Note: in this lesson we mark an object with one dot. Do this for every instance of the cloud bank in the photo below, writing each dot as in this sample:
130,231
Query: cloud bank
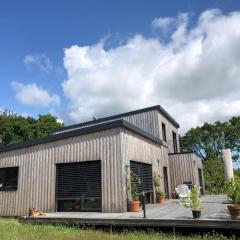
32,95
195,75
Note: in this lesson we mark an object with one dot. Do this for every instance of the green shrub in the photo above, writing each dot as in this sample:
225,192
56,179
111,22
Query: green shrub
195,203
156,180
233,190
237,199
135,183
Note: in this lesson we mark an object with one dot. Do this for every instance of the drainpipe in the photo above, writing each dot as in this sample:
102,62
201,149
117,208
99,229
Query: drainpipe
228,167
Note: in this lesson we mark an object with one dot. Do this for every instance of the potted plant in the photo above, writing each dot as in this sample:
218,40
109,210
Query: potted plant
233,191
194,203
134,203
160,196
132,184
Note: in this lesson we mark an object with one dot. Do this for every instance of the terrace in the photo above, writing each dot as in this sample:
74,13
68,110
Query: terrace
170,214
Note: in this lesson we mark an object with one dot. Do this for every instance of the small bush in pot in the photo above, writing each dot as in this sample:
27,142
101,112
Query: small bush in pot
160,195
195,203
134,203
233,191
133,184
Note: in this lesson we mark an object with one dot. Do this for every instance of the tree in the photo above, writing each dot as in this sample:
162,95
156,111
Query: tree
208,141
15,128
214,176
45,124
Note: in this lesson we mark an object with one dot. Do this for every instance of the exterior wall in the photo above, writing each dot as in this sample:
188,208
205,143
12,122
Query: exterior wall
184,167
147,121
169,129
151,122
137,148
37,170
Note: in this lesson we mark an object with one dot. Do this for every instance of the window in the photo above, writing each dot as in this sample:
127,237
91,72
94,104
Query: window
8,178
175,148
164,132
78,186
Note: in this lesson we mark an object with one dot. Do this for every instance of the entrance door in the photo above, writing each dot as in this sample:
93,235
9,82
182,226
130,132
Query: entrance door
165,179
144,172
78,186
200,181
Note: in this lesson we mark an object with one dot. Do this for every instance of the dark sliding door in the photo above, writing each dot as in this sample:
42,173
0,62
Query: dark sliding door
144,173
78,186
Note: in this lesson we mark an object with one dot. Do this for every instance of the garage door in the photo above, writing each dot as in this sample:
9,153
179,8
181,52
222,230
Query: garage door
78,186
144,173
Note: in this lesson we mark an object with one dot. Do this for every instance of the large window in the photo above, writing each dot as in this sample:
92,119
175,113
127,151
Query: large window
164,136
78,186
8,178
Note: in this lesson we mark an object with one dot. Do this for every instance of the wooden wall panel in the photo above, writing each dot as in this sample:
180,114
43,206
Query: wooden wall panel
147,121
36,184
139,149
169,129
150,122
184,167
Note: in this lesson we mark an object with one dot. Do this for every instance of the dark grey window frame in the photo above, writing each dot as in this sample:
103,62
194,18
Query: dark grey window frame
174,139
6,184
164,133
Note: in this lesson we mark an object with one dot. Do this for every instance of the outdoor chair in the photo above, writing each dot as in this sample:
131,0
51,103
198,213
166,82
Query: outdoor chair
183,192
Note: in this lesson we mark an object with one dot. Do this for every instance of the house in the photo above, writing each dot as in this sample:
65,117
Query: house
83,167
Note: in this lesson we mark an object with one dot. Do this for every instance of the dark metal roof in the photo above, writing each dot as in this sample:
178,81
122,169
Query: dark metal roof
82,131
157,107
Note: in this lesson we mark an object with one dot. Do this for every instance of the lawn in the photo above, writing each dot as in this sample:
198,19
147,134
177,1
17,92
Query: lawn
11,229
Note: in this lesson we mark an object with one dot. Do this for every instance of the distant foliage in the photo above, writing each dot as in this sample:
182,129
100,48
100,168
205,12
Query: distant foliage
208,141
15,128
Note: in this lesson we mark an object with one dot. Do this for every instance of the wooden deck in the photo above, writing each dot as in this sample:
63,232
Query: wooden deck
169,215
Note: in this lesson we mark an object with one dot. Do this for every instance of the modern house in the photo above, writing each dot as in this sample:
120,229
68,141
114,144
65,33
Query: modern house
83,167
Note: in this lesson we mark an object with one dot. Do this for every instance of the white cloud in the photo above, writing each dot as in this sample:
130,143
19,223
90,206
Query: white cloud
162,23
40,61
32,95
195,75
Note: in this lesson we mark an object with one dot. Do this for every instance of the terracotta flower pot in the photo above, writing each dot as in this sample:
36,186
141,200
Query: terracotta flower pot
134,206
234,211
160,199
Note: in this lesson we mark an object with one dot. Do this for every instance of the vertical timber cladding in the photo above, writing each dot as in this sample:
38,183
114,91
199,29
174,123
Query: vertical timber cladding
144,173
78,186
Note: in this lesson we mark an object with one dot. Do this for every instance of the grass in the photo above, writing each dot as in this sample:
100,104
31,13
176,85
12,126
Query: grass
11,229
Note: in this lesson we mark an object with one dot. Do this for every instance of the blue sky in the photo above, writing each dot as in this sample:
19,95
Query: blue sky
38,36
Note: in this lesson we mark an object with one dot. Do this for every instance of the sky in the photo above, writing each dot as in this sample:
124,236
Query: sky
83,59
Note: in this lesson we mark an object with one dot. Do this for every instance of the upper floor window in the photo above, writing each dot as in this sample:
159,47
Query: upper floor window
175,148
8,178
164,136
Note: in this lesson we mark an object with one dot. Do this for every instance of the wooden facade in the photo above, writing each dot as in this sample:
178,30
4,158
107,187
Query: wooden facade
115,146
185,167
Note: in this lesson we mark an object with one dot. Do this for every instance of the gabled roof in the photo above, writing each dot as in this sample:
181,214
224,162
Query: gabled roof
82,131
93,122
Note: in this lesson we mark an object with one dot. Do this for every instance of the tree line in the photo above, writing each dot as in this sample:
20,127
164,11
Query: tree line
16,128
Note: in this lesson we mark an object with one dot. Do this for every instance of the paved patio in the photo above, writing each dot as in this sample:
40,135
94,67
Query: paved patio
213,209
